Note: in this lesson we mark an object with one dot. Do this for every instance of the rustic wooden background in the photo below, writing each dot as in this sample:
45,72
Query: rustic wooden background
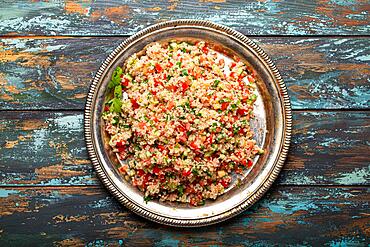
49,52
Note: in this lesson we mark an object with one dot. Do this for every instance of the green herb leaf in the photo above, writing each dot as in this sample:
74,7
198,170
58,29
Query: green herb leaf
215,84
184,72
202,203
236,130
118,92
147,199
253,97
180,189
209,173
117,73
116,105
116,78
195,171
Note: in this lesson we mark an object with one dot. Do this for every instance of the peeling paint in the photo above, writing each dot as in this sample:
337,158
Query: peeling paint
7,192
127,17
358,176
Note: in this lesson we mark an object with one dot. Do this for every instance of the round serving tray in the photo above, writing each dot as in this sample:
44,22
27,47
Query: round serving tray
272,126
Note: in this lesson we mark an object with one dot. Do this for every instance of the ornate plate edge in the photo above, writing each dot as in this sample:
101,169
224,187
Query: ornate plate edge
212,219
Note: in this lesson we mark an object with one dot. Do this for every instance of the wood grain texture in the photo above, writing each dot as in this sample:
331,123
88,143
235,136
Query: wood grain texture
46,148
330,73
88,216
287,17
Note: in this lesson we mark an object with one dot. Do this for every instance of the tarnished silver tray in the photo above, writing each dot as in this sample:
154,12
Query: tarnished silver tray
272,127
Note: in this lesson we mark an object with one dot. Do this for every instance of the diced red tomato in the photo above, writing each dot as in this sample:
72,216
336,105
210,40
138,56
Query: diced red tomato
205,49
161,147
145,180
184,86
122,169
186,173
142,125
173,88
194,146
250,163
162,178
187,126
232,65
164,77
183,138
241,76
156,170
125,82
170,64
153,92
210,138
247,163
119,144
158,68
224,183
106,108
134,103
181,128
170,105
121,149
157,82
250,78
242,112
232,74
224,105
140,172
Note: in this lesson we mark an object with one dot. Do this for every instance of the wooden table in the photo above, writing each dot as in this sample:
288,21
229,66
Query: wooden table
49,52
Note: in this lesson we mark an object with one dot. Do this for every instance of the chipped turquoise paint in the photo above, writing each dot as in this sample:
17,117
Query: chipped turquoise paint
96,243
246,221
261,18
344,242
102,203
7,192
363,58
344,2
291,207
358,176
168,242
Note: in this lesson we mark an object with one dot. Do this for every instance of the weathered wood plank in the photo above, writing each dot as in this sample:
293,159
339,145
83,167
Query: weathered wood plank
88,216
320,73
47,148
115,17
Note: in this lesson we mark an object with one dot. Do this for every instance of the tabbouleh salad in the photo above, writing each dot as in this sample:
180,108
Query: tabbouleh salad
179,115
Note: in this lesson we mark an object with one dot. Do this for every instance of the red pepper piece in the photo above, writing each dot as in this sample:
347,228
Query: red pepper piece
158,68
134,103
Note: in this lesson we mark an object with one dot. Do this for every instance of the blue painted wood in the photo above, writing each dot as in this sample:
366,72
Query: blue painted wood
78,216
330,73
46,179
48,149
85,18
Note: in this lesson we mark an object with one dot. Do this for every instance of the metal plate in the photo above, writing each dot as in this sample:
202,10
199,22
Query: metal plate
272,126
